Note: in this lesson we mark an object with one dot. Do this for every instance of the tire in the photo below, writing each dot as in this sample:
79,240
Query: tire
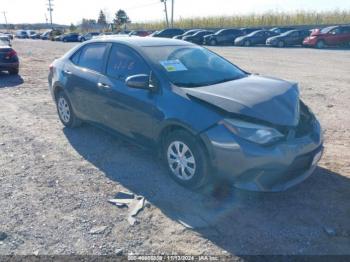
247,43
213,42
280,44
65,111
320,44
65,40
14,71
190,170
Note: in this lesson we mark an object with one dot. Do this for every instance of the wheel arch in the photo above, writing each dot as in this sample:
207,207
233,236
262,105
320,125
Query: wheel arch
173,126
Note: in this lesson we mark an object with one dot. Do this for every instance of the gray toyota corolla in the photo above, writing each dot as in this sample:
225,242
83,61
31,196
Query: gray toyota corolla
209,119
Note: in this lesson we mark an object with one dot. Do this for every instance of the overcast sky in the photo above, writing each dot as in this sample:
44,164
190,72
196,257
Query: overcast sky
72,11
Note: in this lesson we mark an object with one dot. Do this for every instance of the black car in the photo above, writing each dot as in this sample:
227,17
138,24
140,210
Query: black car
71,37
255,38
168,33
8,59
281,30
222,37
290,38
187,33
198,37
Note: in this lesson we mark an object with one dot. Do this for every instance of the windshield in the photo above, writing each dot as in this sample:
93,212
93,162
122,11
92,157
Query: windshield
326,30
192,66
288,33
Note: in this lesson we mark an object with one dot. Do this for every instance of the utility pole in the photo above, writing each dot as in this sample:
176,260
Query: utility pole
172,13
166,12
47,20
50,9
5,20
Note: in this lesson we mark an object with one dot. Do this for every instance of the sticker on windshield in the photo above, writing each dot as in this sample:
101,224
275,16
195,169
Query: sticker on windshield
173,65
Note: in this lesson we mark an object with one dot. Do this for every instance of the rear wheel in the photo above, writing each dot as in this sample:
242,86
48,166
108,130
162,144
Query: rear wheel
320,44
186,159
65,111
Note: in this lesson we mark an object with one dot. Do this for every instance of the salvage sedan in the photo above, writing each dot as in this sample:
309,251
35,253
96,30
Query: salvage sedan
209,119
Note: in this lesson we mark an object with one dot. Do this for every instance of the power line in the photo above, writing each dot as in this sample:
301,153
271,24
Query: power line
50,9
172,13
4,12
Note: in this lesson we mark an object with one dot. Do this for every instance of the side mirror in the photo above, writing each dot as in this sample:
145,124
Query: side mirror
143,81
138,81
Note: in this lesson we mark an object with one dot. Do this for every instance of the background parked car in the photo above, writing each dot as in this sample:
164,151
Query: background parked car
139,33
32,34
222,37
187,33
198,37
71,37
51,34
290,38
87,36
329,36
10,35
5,39
168,33
8,59
22,34
281,30
255,38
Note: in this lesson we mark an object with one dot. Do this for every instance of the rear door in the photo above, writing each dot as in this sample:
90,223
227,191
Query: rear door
81,77
127,110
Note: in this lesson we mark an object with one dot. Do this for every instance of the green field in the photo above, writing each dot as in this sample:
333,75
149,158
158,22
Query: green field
266,19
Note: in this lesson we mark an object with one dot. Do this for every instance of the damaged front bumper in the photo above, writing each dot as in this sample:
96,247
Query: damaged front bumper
270,168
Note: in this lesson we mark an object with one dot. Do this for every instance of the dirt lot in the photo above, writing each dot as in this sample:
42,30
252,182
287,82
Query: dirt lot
55,182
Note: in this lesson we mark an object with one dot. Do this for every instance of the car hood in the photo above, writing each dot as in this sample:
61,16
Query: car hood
267,99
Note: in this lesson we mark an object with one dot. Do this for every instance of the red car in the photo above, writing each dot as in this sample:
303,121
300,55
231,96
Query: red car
329,36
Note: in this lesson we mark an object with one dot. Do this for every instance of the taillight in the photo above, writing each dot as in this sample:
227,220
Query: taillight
10,54
51,68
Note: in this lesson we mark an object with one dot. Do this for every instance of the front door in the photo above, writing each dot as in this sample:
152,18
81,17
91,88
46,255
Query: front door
127,110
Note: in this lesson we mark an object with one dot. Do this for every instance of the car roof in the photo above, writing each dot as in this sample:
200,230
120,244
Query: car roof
142,41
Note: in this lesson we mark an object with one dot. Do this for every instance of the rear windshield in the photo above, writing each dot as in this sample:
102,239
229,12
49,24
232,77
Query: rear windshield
192,66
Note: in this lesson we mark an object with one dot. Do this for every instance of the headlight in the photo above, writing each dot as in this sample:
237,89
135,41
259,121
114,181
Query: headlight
252,132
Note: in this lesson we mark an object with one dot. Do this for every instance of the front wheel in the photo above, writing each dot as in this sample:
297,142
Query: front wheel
213,42
281,44
65,111
247,43
320,44
186,159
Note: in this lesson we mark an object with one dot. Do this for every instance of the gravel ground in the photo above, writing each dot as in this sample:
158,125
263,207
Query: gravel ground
55,182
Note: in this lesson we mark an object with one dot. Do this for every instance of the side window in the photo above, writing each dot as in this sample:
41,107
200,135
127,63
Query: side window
75,57
346,30
124,62
92,56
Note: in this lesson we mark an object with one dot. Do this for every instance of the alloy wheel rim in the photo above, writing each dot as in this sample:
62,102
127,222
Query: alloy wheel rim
63,109
181,160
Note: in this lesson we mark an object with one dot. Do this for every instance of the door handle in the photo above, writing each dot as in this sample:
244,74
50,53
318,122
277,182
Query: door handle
103,85
67,72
